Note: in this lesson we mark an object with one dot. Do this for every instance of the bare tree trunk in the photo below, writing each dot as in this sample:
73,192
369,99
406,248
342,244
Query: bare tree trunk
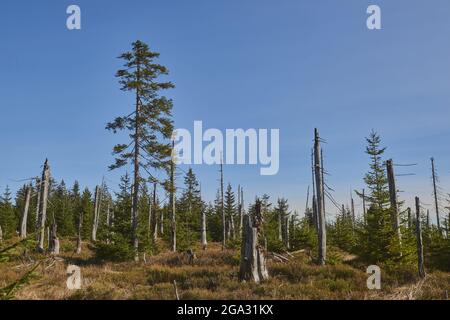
280,226
108,223
154,215
286,232
1,234
23,226
409,217
353,210
54,241
38,201
253,262
364,205
45,181
393,199
436,204
241,211
203,239
80,225
320,210
419,240
172,202
96,213
222,208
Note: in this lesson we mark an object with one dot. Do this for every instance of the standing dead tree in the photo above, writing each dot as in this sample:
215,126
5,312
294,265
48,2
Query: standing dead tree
23,225
436,202
153,216
80,226
393,199
42,217
97,200
222,205
322,235
172,200
253,261
203,240
419,240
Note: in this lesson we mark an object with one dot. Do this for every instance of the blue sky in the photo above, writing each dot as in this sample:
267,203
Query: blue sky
292,65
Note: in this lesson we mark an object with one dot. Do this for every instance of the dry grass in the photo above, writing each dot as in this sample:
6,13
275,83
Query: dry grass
214,275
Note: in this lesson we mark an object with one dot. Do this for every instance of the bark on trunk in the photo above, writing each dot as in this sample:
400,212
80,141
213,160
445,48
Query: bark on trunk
253,262
203,240
23,226
96,213
80,225
172,202
319,202
43,206
419,240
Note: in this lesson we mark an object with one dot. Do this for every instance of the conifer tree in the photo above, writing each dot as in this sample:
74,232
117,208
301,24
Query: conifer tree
149,125
8,218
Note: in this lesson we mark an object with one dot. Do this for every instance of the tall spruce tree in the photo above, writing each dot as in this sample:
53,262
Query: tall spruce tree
8,218
149,125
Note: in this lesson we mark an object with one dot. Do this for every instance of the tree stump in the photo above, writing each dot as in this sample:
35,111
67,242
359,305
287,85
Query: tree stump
253,261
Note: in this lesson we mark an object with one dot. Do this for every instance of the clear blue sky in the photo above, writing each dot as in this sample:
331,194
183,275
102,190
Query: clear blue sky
293,65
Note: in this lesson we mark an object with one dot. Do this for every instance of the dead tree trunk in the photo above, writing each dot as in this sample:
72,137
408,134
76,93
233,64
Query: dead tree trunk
172,202
436,203
203,239
222,207
408,210
286,232
96,213
80,226
322,236
241,210
253,262
280,226
154,215
54,241
353,210
364,204
45,181
419,240
38,201
393,200
23,225
1,234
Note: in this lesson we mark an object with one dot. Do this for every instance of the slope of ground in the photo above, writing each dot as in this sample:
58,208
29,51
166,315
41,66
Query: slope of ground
214,275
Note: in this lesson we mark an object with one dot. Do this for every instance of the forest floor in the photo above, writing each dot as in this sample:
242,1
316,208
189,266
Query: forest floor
214,275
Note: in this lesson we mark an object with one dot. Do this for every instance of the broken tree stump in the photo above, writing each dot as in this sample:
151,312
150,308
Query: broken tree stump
253,261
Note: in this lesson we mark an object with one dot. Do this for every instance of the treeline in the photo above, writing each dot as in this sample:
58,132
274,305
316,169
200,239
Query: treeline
148,214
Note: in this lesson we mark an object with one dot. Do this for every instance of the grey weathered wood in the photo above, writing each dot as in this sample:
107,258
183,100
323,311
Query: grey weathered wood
364,204
23,225
253,261
319,192
222,207
286,232
54,241
38,201
353,210
393,199
173,203
203,240
96,213
80,225
154,215
421,267
436,203
45,181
